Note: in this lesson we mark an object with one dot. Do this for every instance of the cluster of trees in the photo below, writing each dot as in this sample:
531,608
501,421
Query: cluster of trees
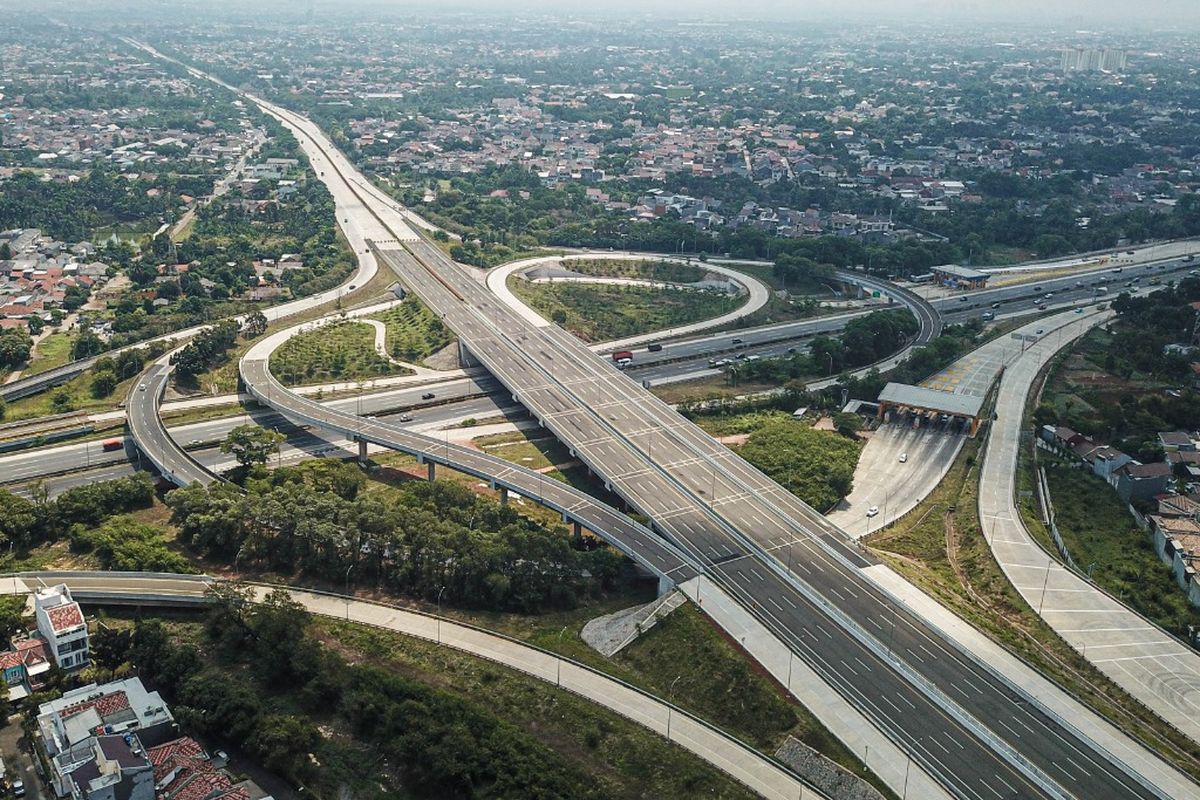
272,676
207,350
429,537
109,371
1128,418
73,211
25,522
863,341
15,345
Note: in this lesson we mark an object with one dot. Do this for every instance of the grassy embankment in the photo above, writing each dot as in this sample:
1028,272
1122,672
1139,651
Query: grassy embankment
598,313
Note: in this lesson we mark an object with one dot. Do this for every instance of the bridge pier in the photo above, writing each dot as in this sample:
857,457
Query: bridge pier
577,531
503,496
430,471
362,451
465,359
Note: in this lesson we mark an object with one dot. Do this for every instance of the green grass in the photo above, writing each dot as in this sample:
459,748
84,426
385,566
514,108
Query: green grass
733,424
627,760
413,331
78,392
599,313
51,352
339,351
667,271
1096,528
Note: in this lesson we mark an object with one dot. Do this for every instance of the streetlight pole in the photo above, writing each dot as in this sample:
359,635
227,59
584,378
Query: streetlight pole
439,614
1045,583
348,591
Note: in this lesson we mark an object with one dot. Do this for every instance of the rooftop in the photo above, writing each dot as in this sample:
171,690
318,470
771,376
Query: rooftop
903,394
966,273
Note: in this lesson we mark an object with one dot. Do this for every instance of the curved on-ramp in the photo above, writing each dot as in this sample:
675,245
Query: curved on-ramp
762,774
757,294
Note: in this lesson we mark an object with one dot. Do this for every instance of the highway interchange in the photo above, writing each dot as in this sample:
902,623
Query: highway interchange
711,512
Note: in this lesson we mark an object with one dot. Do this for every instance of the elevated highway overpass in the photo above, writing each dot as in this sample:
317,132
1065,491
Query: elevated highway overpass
958,719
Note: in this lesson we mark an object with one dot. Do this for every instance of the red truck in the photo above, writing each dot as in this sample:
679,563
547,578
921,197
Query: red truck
113,444
622,358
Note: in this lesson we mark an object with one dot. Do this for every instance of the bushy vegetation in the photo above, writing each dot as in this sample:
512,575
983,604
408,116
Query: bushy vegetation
413,331
124,544
427,537
1121,386
598,313
816,466
339,351
668,271
15,345
208,349
259,676
25,523
863,341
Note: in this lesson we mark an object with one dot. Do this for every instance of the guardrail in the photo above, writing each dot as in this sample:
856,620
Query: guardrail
546,661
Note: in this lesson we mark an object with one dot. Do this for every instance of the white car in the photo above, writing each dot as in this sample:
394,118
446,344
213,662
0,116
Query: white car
872,511
903,457
142,388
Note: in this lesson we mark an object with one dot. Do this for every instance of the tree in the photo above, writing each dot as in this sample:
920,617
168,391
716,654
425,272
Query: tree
86,344
255,325
104,383
847,424
251,444
15,345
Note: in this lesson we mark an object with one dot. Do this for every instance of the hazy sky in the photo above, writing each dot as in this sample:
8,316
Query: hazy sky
923,10
1058,14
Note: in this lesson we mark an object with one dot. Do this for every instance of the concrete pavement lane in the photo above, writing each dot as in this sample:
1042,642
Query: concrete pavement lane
1154,667
597,414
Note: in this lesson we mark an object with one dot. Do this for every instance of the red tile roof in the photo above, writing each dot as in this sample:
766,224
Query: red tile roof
10,659
201,786
65,617
105,706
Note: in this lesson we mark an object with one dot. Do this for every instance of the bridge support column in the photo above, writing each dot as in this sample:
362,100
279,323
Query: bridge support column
664,585
577,531
430,471
362,451
503,496
465,359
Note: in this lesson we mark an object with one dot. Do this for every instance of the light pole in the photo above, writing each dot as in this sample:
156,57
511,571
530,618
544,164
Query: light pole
439,614
1045,583
830,362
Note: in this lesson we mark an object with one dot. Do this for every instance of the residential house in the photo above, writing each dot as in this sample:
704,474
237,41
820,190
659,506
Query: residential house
60,622
106,727
1136,481
24,666
1176,441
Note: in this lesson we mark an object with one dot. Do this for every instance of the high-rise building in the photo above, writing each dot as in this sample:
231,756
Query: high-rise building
1092,59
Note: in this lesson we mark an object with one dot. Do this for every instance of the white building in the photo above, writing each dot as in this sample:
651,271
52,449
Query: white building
60,622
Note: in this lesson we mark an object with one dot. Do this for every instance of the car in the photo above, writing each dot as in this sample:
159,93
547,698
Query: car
654,348
142,387
352,287
995,305
406,417
1038,332
18,788
963,299
1079,311
736,341
988,315
195,443
903,457
427,396
1049,295
1041,306
791,350
872,511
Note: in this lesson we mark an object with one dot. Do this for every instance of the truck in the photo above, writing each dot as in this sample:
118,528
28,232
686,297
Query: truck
113,444
622,358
